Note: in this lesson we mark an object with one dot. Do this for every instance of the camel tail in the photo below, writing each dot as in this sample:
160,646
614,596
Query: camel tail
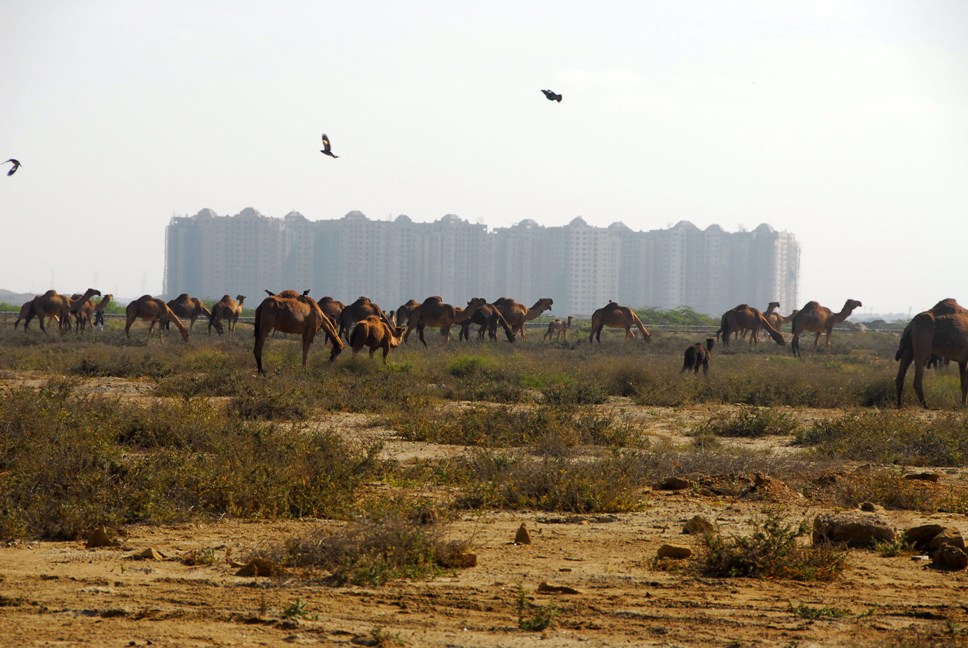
905,343
258,321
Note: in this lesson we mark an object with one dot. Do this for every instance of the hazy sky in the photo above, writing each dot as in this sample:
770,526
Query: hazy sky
843,122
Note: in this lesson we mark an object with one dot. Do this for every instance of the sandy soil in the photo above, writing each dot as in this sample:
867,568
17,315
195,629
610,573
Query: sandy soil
61,593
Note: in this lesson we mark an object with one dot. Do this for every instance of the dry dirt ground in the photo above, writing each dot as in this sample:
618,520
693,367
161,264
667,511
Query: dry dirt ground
61,593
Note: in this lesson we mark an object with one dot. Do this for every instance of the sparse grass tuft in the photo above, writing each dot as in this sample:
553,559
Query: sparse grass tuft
750,422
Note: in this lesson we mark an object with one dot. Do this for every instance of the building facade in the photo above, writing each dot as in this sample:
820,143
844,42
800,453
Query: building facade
579,266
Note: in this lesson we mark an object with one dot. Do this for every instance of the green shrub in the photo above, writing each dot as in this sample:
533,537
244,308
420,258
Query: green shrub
772,551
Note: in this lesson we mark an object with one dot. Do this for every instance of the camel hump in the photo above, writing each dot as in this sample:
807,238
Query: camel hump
741,307
948,307
288,293
811,305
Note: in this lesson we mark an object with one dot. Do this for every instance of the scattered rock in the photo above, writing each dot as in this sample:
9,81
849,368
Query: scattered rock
675,552
949,557
547,588
698,525
674,484
947,537
148,554
920,536
924,476
854,529
100,538
260,567
522,536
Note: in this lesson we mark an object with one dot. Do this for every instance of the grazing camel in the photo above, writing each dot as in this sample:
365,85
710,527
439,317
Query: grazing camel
402,314
187,307
375,333
488,317
746,318
518,315
941,331
614,316
291,312
558,329
25,310
153,310
52,305
697,356
820,320
99,311
227,309
357,311
435,313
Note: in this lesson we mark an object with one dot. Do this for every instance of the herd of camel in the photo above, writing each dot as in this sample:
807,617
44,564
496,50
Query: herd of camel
940,332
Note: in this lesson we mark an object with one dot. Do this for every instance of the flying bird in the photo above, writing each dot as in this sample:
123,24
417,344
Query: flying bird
327,150
552,95
13,169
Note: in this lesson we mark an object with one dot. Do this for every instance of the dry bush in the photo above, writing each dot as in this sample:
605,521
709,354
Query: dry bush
571,484
892,437
69,463
374,550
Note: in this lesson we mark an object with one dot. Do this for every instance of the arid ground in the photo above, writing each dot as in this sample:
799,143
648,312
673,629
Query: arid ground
584,579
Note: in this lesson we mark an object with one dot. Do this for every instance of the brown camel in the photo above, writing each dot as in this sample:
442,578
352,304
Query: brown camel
488,317
402,314
820,320
227,309
375,333
940,331
433,312
614,316
291,312
777,321
153,310
83,312
558,329
330,307
357,311
746,318
54,305
697,356
25,310
187,307
99,310
518,315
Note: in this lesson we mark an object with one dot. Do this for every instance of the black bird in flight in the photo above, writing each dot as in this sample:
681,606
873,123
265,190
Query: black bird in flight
327,150
552,95
13,169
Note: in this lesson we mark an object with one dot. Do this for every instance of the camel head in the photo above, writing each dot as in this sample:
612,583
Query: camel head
711,342
240,299
773,304
851,304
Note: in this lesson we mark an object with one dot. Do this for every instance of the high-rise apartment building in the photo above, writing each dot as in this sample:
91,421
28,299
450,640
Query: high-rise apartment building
579,266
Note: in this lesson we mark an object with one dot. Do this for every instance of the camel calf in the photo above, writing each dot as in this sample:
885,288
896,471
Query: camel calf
697,356
375,333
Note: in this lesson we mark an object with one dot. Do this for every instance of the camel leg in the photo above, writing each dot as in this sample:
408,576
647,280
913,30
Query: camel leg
260,341
306,341
816,341
905,362
918,382
386,351
420,331
963,371
795,345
